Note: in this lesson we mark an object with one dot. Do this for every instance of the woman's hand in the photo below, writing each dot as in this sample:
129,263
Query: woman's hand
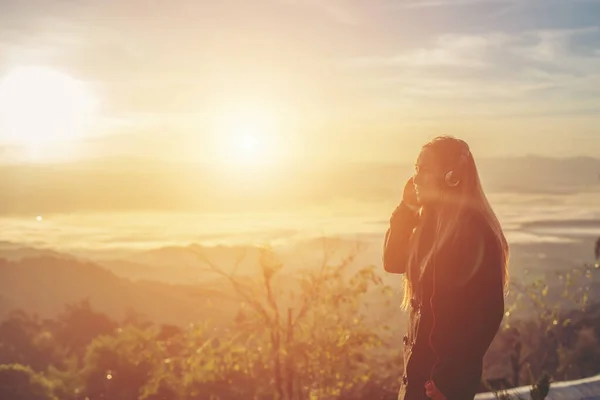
409,195
409,199
433,392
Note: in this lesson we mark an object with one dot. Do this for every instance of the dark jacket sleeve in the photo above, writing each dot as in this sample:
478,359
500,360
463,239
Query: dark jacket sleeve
469,306
396,248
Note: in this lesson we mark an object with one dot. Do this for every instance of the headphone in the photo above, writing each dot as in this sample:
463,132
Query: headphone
453,177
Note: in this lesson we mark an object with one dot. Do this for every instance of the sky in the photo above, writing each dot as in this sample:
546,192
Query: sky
322,80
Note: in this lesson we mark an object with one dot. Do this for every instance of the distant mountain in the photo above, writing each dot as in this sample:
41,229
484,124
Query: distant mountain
15,251
45,285
158,288
157,186
185,264
533,174
563,223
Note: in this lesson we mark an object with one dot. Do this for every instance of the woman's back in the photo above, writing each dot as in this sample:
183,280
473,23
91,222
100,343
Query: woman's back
457,307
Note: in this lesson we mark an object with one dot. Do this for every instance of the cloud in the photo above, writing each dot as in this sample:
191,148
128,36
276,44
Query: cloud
485,50
530,74
347,12
330,60
340,12
565,47
404,4
557,52
515,4
454,51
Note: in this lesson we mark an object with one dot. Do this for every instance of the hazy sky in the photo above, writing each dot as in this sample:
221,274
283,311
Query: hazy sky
332,79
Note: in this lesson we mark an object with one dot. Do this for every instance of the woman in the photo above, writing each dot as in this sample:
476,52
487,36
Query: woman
447,242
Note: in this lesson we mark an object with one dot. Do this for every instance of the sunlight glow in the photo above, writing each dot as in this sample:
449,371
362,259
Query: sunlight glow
39,106
248,137
249,145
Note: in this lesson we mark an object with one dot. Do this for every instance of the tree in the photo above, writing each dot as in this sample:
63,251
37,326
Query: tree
19,382
79,324
119,367
583,359
309,330
26,340
537,344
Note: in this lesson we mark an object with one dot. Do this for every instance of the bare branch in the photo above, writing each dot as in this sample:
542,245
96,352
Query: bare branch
239,261
240,288
267,276
317,282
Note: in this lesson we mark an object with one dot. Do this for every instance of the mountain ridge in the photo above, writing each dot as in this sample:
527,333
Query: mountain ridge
36,190
45,285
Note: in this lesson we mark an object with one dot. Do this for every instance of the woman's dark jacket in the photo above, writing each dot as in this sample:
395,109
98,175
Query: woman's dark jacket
468,305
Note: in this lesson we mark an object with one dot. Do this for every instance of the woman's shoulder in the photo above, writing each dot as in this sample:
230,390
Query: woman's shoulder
474,227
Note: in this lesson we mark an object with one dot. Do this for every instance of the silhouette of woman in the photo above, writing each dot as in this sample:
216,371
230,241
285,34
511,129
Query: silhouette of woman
447,242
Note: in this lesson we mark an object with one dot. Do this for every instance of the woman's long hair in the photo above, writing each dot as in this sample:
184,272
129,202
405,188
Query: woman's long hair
454,155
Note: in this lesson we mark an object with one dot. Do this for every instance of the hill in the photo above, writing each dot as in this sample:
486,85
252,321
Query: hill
46,284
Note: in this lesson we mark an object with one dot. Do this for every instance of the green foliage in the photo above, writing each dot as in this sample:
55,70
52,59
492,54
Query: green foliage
26,340
548,341
314,341
311,334
18,382
79,324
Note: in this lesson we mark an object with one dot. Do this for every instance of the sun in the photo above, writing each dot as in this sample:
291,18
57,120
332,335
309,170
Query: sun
249,145
247,138
40,105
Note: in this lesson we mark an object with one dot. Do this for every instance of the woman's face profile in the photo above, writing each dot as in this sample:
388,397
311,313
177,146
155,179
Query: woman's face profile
428,178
